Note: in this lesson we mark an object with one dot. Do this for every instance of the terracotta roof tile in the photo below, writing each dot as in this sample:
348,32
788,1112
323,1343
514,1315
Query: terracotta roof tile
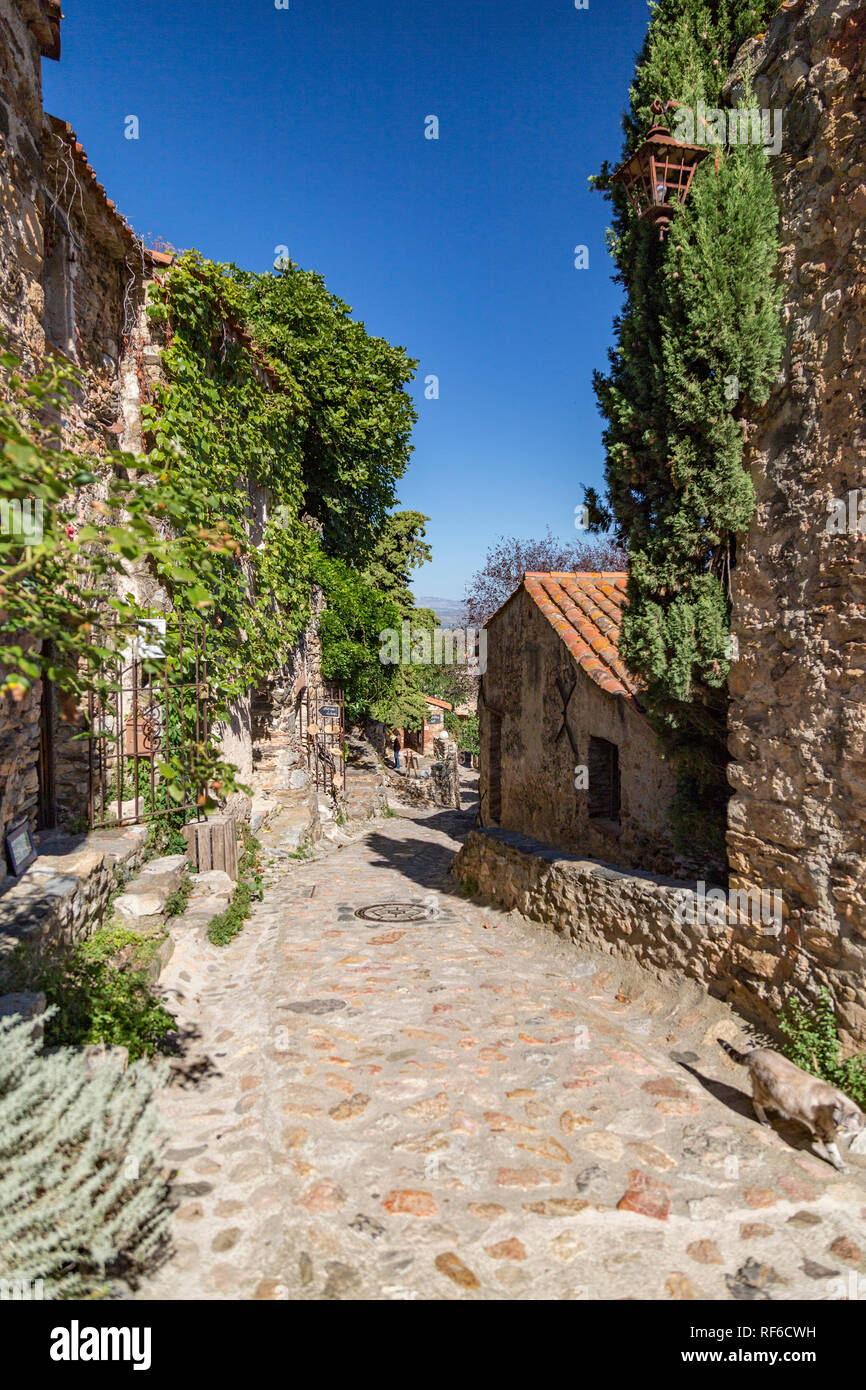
586,609
64,133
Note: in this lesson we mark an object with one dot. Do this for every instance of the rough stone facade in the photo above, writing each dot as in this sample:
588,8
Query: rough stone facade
71,285
64,894
797,818
528,782
74,282
645,917
278,724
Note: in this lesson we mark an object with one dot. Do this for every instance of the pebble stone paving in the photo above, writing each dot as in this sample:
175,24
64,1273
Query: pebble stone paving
468,1107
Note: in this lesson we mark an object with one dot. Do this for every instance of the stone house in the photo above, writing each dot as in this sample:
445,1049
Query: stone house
74,281
567,755
421,740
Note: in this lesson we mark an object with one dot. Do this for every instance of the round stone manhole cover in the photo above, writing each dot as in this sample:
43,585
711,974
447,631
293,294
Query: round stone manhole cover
393,912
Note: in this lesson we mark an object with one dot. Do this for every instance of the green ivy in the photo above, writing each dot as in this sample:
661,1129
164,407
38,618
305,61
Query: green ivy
230,423
325,432
57,583
812,1042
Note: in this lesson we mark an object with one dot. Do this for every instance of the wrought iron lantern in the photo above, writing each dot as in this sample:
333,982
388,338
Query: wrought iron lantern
659,174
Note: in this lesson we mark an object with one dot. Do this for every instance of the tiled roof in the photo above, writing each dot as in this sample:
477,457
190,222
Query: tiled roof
441,704
586,609
66,136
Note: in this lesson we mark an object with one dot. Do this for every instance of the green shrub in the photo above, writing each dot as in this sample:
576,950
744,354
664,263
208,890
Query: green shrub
99,991
226,926
469,887
812,1042
81,1193
176,904
164,835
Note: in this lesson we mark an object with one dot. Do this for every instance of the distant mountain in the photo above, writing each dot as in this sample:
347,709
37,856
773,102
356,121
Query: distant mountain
449,611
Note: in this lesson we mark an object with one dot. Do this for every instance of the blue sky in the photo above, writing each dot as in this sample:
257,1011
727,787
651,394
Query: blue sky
305,127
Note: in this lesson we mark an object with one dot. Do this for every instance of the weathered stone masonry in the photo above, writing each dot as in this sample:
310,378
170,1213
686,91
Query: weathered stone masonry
595,904
74,280
797,819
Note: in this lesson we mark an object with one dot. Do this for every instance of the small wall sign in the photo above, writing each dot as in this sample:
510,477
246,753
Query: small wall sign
20,847
151,639
329,712
434,718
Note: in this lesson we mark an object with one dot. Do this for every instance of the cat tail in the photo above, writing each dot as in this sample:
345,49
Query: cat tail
741,1058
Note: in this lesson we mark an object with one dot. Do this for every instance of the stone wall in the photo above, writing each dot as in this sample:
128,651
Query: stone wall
797,818
279,741
64,894
519,694
19,752
647,918
22,199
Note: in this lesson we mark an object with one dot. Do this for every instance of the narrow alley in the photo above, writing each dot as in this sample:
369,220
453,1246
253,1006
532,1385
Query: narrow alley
464,1106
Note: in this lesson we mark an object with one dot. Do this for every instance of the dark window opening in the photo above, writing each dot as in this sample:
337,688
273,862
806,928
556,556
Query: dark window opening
494,769
58,318
603,769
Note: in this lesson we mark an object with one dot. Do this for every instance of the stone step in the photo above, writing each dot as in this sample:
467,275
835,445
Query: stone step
143,900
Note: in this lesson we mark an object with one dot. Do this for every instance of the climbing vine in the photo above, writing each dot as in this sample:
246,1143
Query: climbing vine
229,423
296,436
696,348
60,576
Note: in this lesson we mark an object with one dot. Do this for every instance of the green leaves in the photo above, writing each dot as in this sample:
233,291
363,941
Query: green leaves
356,420
697,346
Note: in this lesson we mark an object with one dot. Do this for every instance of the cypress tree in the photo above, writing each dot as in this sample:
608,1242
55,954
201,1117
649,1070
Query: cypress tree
696,348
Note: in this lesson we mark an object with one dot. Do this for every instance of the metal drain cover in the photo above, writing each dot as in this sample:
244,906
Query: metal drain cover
393,912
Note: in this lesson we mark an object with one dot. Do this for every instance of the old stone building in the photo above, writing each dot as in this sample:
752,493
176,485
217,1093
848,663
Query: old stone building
797,820
71,284
74,284
421,740
568,757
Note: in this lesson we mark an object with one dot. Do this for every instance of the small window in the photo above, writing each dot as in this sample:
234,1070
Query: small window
494,768
58,315
603,768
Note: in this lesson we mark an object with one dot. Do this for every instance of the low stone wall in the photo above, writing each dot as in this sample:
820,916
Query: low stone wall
64,894
666,925
19,752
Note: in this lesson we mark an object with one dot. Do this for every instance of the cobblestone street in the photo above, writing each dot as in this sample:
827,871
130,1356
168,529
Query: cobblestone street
468,1107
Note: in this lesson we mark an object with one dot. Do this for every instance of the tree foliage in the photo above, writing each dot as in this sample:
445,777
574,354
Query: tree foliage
398,550
327,442
356,425
509,559
696,348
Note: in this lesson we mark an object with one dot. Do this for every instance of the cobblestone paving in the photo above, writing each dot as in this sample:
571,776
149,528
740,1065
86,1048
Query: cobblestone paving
468,1107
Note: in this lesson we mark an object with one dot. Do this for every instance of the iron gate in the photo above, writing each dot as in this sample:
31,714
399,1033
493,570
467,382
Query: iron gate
323,732
155,709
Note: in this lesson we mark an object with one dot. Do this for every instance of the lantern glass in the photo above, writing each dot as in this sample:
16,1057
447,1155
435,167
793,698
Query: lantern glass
657,177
